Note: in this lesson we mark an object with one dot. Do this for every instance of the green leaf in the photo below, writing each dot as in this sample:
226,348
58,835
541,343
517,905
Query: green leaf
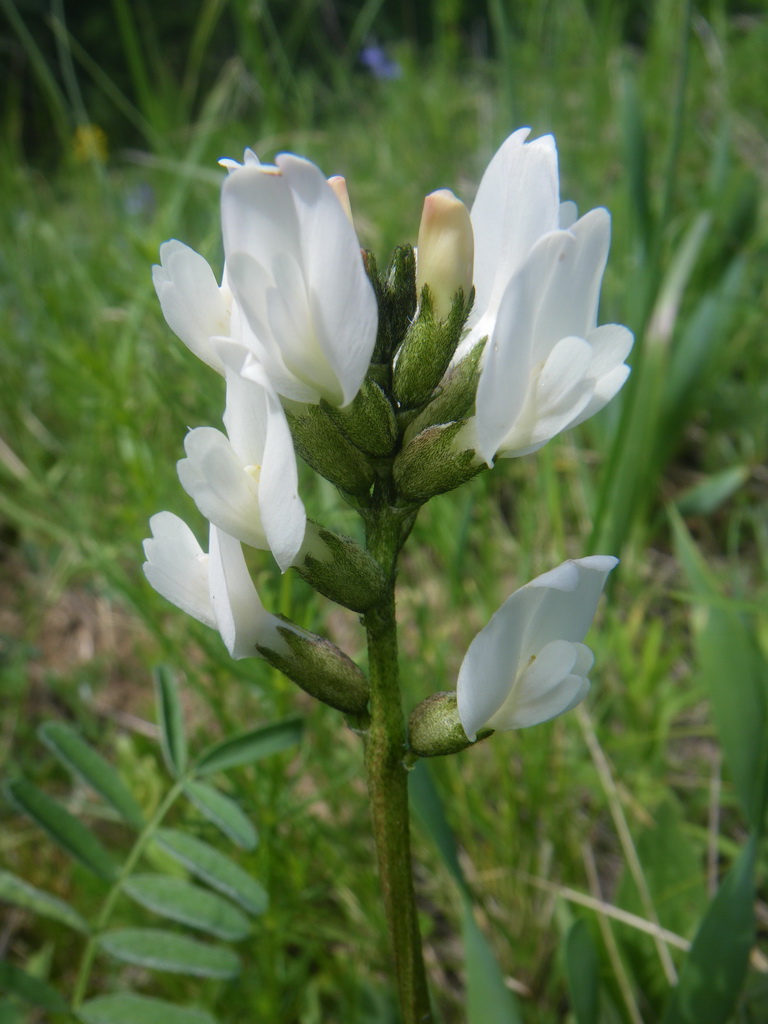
489,1001
428,806
735,673
168,951
171,719
61,826
213,867
32,990
82,759
21,894
250,746
717,963
582,966
126,1008
189,904
224,813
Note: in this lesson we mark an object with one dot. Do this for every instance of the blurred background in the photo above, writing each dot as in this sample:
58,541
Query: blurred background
113,117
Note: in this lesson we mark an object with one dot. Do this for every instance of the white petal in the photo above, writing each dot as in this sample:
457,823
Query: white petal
611,345
568,215
282,511
249,158
258,215
490,665
216,479
507,680
177,567
547,687
342,301
258,299
569,596
507,380
240,616
260,436
516,203
563,389
193,305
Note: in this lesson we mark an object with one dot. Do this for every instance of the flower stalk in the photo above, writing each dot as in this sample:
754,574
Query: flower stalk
386,772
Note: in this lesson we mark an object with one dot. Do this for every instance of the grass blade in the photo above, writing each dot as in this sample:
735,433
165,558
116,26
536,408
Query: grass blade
582,966
65,830
716,966
489,1001
80,758
735,673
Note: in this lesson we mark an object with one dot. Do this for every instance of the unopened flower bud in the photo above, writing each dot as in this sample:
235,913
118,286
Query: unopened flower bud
436,460
318,667
339,568
445,254
435,728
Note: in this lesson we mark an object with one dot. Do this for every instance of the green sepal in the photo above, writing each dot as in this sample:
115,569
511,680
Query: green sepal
455,397
321,669
396,295
427,350
349,575
368,421
328,450
431,464
434,727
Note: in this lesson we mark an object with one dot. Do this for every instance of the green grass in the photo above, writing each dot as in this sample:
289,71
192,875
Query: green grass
97,395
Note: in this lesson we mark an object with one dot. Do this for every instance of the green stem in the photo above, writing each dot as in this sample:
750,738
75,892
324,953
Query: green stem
388,777
89,953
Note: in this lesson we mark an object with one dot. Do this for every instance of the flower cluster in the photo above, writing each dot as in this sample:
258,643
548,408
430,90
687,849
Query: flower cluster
480,344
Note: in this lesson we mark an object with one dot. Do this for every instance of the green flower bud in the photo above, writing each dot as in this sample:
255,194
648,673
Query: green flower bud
327,450
427,350
436,460
340,569
434,727
455,397
368,421
397,298
320,668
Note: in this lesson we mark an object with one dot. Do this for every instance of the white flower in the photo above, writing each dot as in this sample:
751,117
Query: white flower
194,306
214,588
295,269
247,483
546,366
528,664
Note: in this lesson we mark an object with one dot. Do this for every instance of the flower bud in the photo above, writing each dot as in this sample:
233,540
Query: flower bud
427,350
320,668
337,567
445,254
436,460
368,421
434,727
327,450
